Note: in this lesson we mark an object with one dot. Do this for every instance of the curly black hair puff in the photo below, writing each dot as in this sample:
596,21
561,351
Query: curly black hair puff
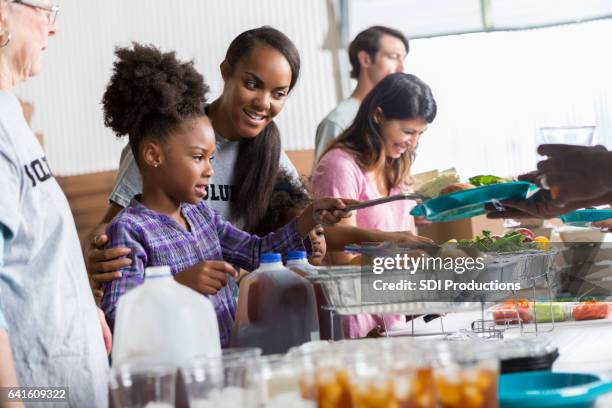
151,93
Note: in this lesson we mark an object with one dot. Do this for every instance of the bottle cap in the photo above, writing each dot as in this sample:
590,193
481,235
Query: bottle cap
270,257
157,272
296,255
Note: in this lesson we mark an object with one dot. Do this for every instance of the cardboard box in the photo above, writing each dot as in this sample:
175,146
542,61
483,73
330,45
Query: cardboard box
302,160
467,228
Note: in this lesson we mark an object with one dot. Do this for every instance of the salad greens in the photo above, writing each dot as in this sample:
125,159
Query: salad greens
510,242
485,180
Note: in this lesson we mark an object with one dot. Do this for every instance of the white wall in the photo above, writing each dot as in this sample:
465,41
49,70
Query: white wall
78,63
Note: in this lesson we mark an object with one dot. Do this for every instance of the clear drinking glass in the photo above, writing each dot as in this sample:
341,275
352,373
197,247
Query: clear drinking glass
574,135
143,386
285,381
392,373
219,383
241,353
467,375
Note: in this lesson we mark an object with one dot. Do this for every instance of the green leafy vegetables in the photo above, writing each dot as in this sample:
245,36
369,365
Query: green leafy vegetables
510,242
485,180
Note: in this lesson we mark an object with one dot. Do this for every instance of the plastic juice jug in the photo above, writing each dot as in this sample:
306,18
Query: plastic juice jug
164,322
298,263
276,309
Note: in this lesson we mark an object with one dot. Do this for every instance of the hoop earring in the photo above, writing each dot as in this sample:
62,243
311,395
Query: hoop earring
8,40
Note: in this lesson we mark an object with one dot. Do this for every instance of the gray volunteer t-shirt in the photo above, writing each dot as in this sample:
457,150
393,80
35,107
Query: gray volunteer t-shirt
129,180
51,318
335,123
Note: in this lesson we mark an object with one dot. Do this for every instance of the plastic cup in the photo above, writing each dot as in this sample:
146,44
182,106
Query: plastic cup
574,135
241,353
467,375
219,383
143,386
283,381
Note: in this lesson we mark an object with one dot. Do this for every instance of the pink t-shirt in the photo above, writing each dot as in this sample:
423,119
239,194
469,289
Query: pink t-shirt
338,175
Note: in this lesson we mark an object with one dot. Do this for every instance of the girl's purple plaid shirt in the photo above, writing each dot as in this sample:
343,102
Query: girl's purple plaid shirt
155,239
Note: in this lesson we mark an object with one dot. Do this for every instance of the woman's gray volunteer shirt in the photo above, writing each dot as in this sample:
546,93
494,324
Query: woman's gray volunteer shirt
51,318
220,190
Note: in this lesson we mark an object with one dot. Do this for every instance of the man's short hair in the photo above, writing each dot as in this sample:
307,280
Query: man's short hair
369,40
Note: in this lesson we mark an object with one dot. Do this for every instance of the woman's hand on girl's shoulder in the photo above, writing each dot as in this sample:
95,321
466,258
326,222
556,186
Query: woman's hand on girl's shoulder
103,265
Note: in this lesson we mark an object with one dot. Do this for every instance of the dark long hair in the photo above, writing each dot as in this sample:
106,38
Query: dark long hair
257,162
400,97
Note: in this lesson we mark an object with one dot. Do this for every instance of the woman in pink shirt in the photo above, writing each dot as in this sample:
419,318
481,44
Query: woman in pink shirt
372,159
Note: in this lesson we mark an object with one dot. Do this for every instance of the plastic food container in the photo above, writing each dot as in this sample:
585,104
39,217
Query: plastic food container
526,354
547,312
512,312
520,354
470,203
591,310
581,217
343,286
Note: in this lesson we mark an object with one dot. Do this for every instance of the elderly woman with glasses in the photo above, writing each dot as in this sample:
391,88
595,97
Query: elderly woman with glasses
50,331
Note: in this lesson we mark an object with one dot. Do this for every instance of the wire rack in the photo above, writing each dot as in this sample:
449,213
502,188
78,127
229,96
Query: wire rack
342,287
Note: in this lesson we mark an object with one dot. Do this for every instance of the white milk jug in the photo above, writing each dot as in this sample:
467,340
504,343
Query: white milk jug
164,322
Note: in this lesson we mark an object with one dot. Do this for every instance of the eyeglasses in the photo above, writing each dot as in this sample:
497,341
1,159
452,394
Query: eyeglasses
49,10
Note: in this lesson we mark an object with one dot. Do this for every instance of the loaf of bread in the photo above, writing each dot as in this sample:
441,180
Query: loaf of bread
455,187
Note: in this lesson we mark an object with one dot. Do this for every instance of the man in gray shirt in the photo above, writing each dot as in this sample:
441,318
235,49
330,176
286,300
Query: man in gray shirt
374,53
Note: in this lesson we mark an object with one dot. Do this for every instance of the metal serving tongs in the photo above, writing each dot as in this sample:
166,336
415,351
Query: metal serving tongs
383,200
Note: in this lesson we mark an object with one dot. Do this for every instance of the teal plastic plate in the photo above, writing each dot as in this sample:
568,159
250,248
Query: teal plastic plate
470,203
582,217
545,389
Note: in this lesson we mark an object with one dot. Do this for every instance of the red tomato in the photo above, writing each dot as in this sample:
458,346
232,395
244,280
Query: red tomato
527,233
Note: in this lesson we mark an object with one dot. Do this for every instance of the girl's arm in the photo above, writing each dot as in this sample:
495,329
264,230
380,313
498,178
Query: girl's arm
244,249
